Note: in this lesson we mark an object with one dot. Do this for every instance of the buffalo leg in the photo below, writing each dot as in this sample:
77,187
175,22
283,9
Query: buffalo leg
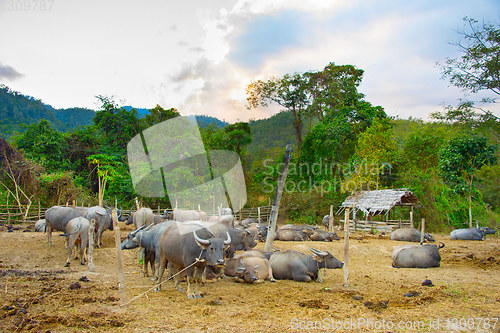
49,234
174,270
163,261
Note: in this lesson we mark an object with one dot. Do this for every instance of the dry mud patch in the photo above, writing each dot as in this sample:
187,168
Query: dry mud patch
38,294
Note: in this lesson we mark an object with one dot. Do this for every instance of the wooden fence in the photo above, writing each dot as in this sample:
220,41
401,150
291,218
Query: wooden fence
10,214
386,226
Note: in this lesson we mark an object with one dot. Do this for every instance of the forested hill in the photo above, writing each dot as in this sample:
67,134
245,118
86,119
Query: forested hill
17,110
276,131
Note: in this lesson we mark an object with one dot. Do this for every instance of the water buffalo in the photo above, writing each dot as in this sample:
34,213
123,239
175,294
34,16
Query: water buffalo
78,232
184,215
57,218
149,239
410,235
471,233
293,265
249,270
190,246
323,236
240,239
224,219
291,235
254,254
326,221
144,216
103,221
416,256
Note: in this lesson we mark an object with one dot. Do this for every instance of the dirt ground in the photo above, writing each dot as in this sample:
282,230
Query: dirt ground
38,294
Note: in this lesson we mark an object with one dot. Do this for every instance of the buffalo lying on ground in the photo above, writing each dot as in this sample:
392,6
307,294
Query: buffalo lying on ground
78,232
410,235
193,247
416,256
293,265
249,269
323,236
471,233
57,218
184,215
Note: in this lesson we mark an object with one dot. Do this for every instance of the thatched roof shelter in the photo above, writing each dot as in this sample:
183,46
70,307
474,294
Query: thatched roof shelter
379,201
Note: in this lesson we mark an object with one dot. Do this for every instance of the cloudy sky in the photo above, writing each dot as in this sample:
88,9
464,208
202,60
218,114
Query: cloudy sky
199,55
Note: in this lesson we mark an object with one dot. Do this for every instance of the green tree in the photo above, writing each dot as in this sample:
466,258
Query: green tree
43,144
238,136
479,67
332,89
288,91
158,114
461,158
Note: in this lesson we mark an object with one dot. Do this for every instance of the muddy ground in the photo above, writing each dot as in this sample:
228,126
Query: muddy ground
36,292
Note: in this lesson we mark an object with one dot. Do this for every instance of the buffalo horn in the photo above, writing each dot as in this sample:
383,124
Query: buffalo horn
137,230
228,241
199,240
318,252
441,246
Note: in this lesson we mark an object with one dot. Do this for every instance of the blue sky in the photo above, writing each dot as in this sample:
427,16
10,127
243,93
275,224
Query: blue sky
198,55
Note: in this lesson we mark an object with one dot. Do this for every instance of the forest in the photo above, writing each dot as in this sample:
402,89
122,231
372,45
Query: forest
342,144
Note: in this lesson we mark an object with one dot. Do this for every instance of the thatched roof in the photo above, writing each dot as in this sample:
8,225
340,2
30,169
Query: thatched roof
377,202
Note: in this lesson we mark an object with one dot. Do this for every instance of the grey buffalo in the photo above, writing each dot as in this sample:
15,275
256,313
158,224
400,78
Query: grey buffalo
410,235
144,216
57,218
249,270
240,239
184,215
103,221
148,239
416,256
78,232
323,236
471,233
291,235
293,265
193,247
254,254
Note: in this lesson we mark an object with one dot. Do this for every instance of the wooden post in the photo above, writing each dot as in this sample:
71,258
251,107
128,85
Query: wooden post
8,210
346,248
258,214
39,209
121,278
330,223
422,231
411,217
91,245
277,198
137,206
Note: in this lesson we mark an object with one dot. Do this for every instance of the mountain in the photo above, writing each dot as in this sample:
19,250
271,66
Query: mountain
141,111
204,121
17,110
276,131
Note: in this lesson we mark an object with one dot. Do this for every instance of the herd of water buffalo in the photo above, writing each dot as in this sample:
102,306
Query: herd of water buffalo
190,244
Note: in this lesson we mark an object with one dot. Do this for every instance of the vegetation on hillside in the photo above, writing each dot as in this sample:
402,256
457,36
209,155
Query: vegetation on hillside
342,142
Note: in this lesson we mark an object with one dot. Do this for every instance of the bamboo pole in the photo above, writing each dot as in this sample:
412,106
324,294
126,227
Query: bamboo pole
346,248
422,231
91,245
8,210
119,260
330,221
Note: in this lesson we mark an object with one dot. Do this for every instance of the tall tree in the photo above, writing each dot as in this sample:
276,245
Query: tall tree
158,114
288,91
332,89
461,158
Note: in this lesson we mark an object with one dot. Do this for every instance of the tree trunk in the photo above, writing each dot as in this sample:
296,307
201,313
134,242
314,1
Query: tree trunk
298,129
